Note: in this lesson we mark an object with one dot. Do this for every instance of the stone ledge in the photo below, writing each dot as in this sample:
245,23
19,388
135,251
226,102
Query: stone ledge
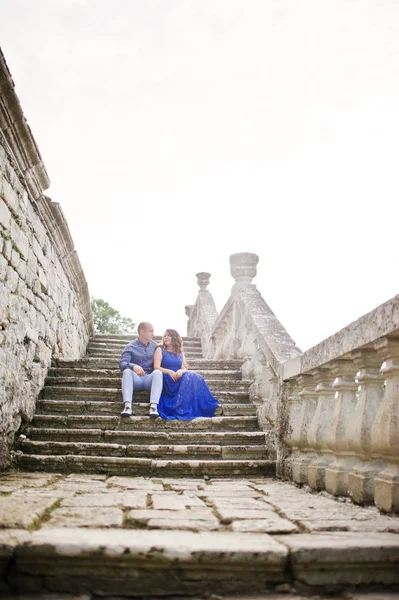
19,136
343,558
126,562
379,322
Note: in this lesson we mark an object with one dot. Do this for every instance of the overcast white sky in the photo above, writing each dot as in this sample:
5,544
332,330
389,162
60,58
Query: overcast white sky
177,132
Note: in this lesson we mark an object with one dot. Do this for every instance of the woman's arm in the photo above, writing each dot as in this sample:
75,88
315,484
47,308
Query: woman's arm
157,364
184,367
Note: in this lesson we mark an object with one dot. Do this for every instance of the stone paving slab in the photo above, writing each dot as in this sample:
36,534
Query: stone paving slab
25,512
84,516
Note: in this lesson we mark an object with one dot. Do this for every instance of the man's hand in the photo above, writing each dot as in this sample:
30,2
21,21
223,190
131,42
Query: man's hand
138,370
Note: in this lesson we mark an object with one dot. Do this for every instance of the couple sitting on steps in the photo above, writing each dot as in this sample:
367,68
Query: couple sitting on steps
175,392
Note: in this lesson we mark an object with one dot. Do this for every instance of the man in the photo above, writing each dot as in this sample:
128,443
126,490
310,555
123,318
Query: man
136,363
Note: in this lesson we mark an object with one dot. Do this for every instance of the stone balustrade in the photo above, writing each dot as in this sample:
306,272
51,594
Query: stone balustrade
248,330
332,411
44,300
348,444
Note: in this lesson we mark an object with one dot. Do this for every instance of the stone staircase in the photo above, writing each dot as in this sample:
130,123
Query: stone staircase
77,425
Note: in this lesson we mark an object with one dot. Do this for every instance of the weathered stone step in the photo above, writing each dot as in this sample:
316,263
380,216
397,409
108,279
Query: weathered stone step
220,438
116,356
145,423
114,408
117,350
119,345
162,451
60,372
153,563
106,363
126,338
113,350
145,466
105,353
115,383
86,393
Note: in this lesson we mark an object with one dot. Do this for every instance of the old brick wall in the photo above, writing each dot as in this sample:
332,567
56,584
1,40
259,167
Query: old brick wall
44,300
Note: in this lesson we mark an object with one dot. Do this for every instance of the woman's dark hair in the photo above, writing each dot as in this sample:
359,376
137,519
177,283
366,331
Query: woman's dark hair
176,340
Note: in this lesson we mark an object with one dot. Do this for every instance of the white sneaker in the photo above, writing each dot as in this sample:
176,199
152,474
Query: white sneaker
127,411
154,414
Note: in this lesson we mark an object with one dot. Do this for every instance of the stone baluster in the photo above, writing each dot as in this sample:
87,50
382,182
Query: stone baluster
247,346
336,474
317,429
220,342
304,453
189,310
292,431
370,392
385,431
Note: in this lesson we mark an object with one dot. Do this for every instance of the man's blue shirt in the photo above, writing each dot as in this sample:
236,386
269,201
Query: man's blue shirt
137,353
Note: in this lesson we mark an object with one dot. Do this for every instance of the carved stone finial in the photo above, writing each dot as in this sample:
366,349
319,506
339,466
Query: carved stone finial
243,267
189,309
203,281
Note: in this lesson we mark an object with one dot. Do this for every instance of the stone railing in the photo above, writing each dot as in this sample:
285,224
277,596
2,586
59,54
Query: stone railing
248,330
44,300
332,411
341,420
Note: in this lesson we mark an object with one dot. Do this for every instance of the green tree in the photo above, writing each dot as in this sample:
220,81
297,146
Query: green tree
108,319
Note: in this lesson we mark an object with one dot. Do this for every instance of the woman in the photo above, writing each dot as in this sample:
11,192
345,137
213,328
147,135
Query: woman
185,394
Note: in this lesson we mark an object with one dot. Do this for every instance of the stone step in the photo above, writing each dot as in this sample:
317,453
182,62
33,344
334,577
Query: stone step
147,438
120,345
118,348
114,562
114,408
110,337
162,451
60,372
216,385
85,393
105,363
116,465
116,355
145,423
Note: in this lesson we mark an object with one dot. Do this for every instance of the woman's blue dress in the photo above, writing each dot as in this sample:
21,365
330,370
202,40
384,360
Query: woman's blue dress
188,397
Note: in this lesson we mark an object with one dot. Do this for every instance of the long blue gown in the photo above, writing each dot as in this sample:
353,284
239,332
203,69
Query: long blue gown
188,397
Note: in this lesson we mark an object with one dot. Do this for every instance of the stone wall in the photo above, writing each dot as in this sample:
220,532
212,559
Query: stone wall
44,300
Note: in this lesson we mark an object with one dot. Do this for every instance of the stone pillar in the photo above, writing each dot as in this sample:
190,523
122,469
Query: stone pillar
305,454
189,310
336,478
385,431
370,392
317,429
243,267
